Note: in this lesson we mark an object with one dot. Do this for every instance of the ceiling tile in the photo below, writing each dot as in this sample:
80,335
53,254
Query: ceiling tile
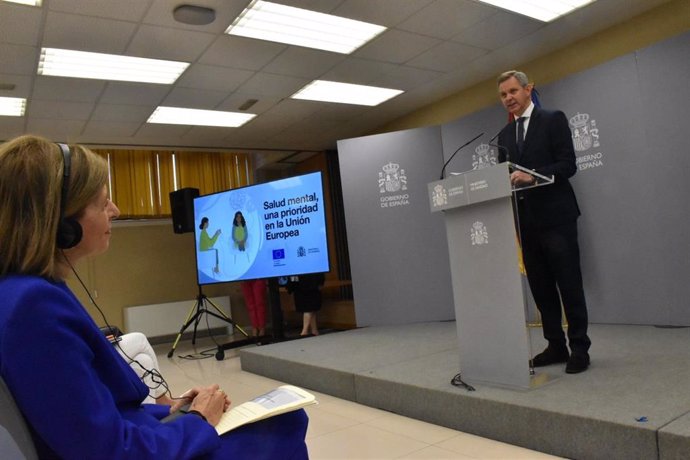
173,44
125,10
358,71
194,98
19,24
70,31
241,53
67,89
161,134
214,78
55,129
396,46
405,78
11,127
134,93
236,99
380,11
291,110
446,57
122,113
18,59
273,85
97,129
64,110
446,18
205,135
303,62
22,85
498,30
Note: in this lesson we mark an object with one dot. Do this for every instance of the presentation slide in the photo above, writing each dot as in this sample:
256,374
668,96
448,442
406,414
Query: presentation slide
261,231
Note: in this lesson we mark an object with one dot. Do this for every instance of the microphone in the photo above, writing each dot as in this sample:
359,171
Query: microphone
499,147
459,148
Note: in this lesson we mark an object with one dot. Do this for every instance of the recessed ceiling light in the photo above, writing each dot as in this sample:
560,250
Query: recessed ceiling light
27,2
197,117
82,64
297,26
543,10
12,106
345,93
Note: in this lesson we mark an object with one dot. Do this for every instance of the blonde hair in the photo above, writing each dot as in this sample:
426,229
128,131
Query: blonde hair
31,170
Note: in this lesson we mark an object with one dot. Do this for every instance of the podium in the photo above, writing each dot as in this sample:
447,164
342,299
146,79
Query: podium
490,303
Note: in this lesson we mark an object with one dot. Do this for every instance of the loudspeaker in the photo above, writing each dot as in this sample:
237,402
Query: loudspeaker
182,209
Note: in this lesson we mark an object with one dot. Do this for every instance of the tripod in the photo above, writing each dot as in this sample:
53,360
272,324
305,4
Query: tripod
197,311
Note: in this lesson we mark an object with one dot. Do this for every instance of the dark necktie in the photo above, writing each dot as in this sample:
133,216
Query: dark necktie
520,134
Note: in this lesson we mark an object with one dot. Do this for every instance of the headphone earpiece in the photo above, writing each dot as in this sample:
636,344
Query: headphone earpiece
69,230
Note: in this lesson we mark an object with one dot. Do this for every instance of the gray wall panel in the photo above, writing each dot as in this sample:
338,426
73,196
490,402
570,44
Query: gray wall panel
398,252
612,191
664,76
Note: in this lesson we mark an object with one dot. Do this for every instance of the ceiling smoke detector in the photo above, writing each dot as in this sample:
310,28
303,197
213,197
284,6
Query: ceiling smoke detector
194,15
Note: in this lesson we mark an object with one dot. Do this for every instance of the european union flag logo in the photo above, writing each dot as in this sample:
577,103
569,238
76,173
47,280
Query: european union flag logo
278,254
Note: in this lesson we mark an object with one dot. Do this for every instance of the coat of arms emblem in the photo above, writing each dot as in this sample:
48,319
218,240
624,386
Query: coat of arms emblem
483,157
439,196
585,132
479,234
392,178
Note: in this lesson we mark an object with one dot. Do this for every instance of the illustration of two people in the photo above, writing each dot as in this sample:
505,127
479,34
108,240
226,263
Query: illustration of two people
239,237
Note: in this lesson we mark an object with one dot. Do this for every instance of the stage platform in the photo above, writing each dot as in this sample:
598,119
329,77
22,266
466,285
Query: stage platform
632,403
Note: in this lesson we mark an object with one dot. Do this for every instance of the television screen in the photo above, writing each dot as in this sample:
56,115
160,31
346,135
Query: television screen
261,231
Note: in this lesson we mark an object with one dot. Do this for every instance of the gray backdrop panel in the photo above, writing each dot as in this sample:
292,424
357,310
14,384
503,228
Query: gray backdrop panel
398,254
664,75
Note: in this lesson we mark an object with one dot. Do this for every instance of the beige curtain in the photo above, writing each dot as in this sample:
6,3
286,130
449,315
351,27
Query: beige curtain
143,179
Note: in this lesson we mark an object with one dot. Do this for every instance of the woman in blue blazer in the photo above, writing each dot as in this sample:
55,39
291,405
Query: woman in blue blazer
80,398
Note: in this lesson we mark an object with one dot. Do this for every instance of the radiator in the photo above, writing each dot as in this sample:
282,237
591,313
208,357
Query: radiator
166,319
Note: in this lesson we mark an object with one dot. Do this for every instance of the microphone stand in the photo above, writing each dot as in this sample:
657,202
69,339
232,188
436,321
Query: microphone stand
454,153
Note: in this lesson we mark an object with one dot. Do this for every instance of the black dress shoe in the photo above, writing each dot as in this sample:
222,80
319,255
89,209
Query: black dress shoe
550,356
578,362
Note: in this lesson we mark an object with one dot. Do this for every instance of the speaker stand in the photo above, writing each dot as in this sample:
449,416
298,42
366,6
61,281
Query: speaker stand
199,309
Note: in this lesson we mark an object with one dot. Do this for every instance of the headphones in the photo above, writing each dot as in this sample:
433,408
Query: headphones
69,230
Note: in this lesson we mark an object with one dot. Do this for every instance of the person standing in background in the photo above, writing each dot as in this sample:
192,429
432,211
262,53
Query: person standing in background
254,292
540,140
306,290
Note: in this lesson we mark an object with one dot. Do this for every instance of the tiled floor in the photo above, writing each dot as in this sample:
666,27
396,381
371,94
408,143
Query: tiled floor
338,429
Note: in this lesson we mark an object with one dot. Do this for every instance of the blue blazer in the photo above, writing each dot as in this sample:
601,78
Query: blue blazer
80,398
548,150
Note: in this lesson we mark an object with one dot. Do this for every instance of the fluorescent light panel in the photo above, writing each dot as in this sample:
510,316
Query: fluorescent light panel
297,26
12,106
345,93
543,10
82,64
196,117
26,2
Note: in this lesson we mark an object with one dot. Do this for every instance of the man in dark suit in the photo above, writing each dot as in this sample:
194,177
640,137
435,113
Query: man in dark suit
540,140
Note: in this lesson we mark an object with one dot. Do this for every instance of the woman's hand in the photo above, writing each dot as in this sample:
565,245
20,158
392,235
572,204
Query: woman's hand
183,399
211,402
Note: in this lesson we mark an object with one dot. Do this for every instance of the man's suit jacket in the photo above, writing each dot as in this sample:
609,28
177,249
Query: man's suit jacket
548,150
